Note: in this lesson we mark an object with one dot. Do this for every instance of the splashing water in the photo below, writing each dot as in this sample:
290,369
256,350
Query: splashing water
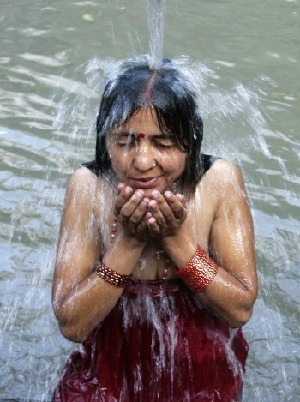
72,146
156,10
219,108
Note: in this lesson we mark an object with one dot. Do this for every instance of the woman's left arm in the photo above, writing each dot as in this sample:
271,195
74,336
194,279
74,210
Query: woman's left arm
233,290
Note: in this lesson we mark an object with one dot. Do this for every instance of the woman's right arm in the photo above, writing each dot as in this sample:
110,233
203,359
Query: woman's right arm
80,298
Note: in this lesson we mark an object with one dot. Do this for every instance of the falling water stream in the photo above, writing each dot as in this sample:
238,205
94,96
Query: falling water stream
55,59
156,10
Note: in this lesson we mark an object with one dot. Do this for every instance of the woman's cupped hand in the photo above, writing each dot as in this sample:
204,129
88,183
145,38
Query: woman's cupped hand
154,215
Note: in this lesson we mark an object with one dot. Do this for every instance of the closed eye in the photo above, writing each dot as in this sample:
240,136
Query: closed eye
126,140
164,142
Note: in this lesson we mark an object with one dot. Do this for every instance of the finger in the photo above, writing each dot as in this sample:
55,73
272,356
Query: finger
154,209
132,204
160,208
123,196
177,204
140,211
121,187
153,226
182,199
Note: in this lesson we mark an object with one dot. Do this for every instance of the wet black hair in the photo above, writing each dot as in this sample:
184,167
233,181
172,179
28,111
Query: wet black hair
169,92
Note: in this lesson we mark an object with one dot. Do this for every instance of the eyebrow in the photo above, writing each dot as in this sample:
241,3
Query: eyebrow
134,134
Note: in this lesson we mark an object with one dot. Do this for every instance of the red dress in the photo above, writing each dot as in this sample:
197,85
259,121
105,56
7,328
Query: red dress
158,344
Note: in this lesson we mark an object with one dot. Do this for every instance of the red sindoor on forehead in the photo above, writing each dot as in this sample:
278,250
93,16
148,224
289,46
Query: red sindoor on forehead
141,135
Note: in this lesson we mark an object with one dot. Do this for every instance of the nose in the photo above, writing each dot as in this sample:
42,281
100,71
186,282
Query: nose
144,158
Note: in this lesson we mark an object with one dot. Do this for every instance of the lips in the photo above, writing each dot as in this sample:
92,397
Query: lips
143,182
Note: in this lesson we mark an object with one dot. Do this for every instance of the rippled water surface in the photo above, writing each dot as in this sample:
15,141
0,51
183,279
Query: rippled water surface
247,67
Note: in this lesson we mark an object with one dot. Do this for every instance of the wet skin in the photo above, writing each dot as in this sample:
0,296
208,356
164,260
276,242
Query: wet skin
218,219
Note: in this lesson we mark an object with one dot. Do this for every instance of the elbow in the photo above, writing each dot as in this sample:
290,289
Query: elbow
240,318
75,328
70,328
72,333
241,314
244,310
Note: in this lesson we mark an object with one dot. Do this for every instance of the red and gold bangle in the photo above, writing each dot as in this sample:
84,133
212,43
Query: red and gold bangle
199,272
111,276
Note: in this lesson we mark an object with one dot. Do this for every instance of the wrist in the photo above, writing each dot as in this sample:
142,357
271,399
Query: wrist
199,272
123,254
180,249
111,276
125,239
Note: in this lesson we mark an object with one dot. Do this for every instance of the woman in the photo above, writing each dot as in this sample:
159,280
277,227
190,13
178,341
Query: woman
155,270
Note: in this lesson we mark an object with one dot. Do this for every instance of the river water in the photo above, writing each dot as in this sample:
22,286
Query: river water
247,56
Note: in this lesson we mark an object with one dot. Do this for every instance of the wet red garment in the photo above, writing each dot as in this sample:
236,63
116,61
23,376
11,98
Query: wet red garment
159,344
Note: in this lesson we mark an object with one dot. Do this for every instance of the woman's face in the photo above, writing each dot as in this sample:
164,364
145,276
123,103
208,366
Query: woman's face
142,156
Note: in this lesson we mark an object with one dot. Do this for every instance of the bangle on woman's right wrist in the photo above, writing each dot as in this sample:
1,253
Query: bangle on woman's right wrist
110,275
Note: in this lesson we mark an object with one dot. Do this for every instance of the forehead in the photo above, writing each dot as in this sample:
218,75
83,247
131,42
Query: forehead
144,120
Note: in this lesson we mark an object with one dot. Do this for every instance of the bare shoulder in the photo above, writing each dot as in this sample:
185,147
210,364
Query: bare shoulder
80,209
225,171
83,178
225,177
222,189
82,185
89,195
